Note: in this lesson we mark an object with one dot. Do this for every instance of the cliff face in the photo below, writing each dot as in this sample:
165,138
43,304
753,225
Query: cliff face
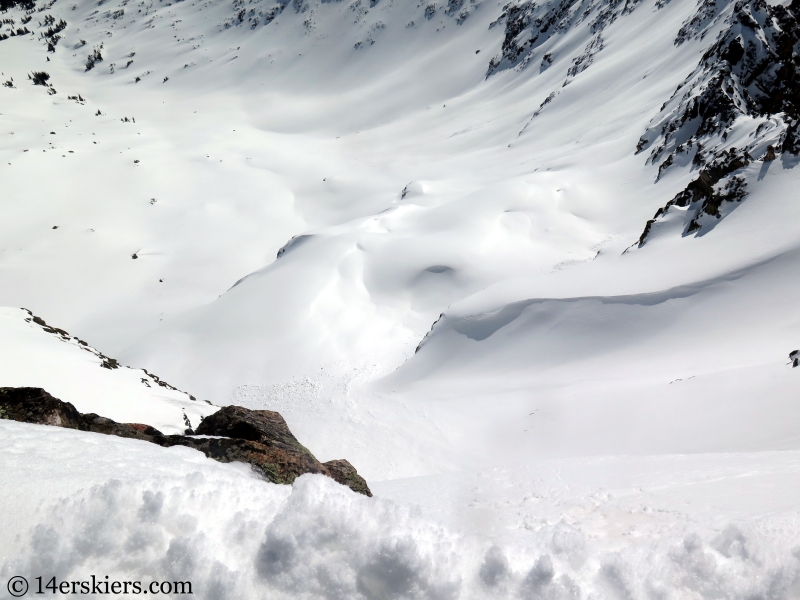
739,105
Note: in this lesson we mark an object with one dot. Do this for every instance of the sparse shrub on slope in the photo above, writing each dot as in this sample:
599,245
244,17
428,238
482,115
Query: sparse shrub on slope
39,78
95,57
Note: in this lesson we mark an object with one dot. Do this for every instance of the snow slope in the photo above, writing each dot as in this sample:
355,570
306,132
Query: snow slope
33,354
417,232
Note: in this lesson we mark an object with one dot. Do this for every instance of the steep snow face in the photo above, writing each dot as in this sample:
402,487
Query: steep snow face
623,374
34,354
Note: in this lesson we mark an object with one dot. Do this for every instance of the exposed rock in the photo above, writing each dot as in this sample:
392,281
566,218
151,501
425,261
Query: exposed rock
582,62
697,26
529,25
264,426
137,431
519,18
273,448
260,438
794,357
538,111
106,362
428,333
25,4
276,463
295,241
346,474
34,405
747,78
706,194
453,6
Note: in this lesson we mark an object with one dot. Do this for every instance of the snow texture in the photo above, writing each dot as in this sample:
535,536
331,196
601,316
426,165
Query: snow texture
145,514
466,245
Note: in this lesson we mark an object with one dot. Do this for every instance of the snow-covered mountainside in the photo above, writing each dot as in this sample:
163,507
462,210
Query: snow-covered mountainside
465,244
658,527
34,353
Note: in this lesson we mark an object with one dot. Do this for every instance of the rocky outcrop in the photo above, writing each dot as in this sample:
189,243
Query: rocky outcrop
260,438
149,380
748,81
24,4
34,405
751,70
706,195
276,463
343,472
262,426
274,448
527,26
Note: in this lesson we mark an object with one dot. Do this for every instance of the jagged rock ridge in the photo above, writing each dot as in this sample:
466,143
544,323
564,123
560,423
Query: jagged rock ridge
529,26
739,105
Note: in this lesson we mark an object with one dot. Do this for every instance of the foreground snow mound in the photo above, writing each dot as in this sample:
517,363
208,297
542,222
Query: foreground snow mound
34,354
140,513
739,104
